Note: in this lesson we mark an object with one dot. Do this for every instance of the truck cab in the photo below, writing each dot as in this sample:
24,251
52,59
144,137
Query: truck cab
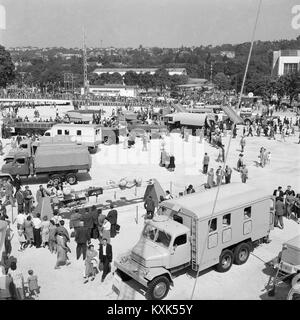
17,164
164,247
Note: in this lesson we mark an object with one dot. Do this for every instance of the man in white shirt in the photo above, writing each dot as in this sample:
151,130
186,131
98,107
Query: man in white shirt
37,223
106,230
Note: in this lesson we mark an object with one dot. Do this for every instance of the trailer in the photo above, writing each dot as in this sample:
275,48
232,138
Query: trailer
184,234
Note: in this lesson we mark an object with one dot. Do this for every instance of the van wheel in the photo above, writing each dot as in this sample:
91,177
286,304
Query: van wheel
241,253
56,178
158,288
225,262
71,178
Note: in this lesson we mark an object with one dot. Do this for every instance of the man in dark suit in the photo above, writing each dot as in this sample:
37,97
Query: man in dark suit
87,219
112,217
105,257
81,238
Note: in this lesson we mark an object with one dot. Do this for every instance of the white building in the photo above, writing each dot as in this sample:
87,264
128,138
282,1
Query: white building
285,62
113,90
122,71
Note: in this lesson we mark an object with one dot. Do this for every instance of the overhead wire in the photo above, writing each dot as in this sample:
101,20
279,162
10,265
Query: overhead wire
227,151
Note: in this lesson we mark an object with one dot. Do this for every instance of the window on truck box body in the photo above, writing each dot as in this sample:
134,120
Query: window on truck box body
213,225
247,213
226,220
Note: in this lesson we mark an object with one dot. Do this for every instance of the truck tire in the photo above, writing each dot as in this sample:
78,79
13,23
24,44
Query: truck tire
225,261
158,288
107,140
71,178
93,150
241,253
296,279
56,178
125,277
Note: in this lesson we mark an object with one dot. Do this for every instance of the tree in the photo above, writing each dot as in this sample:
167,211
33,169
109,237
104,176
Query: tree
162,78
131,78
146,81
7,73
222,81
291,85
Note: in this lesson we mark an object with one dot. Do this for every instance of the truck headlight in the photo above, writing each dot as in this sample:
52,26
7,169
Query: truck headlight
124,259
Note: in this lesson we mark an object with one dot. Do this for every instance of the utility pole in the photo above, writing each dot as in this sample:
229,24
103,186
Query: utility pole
211,72
85,72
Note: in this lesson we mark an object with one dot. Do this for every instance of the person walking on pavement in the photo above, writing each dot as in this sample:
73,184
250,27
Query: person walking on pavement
101,218
219,175
112,217
205,163
149,205
279,211
105,257
244,173
228,172
81,238
20,200
243,143
87,218
210,178
28,199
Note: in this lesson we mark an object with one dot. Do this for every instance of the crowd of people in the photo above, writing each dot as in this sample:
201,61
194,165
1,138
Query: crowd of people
287,204
49,231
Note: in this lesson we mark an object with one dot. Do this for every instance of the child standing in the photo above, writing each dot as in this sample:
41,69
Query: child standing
22,239
33,286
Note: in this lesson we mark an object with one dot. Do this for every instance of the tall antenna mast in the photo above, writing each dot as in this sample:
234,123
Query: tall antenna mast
85,72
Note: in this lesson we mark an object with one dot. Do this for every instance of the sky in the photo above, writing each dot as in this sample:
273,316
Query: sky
130,23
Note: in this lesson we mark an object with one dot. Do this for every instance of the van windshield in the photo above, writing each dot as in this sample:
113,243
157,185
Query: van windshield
156,235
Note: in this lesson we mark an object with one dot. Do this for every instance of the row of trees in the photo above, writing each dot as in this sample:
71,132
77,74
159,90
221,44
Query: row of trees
161,79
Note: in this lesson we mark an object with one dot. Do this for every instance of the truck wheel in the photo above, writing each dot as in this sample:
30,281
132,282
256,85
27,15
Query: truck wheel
123,275
56,178
241,253
107,141
92,149
296,279
71,178
158,288
225,262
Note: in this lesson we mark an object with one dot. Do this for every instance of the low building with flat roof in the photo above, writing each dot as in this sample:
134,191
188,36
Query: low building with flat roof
113,90
285,62
122,71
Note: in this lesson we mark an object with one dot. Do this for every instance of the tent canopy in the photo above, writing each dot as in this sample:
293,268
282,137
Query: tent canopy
155,191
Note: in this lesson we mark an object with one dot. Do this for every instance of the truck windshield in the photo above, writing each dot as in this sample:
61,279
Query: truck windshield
158,236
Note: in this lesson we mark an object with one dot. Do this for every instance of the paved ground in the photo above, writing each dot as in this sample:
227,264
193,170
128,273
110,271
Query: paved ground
114,162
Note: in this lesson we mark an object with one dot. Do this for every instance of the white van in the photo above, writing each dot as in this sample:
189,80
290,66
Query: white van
89,135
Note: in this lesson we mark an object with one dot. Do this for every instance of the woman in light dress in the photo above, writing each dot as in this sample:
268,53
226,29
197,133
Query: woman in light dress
62,250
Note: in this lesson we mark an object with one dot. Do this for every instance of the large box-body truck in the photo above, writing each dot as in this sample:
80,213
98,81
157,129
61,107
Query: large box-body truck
58,162
184,233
